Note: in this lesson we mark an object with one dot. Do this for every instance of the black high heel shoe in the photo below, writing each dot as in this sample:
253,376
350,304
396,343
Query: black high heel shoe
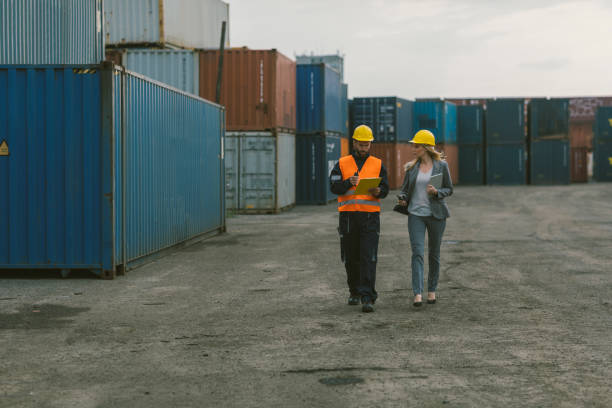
431,301
417,304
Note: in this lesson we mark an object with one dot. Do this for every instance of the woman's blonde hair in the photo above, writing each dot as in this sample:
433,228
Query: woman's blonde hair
433,153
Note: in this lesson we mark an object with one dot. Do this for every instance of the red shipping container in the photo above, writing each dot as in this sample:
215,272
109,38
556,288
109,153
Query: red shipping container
581,134
394,156
451,151
258,87
578,164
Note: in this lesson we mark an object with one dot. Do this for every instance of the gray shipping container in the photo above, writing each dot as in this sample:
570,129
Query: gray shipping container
179,23
51,32
259,171
177,68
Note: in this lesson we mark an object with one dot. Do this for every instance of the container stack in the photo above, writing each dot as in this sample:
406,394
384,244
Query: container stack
549,146
258,90
440,117
390,119
505,141
470,139
602,145
320,130
158,39
101,167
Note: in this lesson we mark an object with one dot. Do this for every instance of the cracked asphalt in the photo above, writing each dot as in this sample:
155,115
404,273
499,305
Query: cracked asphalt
257,317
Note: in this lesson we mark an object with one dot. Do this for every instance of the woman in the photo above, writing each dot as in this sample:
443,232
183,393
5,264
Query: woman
427,210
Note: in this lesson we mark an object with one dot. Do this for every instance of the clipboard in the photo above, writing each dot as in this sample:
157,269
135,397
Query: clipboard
436,180
365,184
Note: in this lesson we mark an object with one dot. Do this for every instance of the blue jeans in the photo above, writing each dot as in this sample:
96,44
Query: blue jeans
416,229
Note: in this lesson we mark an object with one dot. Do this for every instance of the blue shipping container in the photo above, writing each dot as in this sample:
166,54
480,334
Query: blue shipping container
471,164
549,162
389,117
103,167
505,121
470,125
316,156
51,32
548,119
505,164
602,160
439,117
603,123
319,93
345,110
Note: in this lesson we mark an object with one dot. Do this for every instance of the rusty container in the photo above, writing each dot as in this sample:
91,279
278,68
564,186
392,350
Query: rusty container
578,164
581,134
394,156
451,153
258,87
344,147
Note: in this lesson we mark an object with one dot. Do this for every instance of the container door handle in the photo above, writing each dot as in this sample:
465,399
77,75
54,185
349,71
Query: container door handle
519,160
477,164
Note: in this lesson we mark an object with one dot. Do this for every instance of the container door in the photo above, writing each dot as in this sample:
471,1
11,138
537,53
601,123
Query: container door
541,162
506,164
257,172
604,123
471,164
286,170
232,175
333,146
602,157
311,182
560,168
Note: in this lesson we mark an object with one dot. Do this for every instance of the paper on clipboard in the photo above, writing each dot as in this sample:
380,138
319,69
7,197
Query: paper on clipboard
365,184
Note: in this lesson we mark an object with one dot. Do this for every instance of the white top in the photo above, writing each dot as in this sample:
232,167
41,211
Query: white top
419,204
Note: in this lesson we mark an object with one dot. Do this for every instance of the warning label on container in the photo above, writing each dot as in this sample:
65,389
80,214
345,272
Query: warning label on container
610,160
4,150
610,120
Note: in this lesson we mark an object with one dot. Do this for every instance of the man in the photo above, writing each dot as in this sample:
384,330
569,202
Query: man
359,217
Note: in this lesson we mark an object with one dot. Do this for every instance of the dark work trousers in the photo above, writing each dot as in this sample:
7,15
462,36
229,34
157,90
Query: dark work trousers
359,233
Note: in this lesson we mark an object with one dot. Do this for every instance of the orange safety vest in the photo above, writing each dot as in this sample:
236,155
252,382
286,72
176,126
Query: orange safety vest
350,201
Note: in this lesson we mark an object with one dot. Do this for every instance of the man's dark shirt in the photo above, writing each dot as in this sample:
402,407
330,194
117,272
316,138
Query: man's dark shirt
339,186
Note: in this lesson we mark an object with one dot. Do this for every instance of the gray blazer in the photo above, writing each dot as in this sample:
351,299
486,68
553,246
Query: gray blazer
438,206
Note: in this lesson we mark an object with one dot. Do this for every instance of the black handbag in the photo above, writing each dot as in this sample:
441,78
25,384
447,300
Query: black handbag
402,209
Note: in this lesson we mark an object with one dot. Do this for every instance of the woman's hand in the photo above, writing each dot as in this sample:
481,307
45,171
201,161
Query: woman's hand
402,202
431,190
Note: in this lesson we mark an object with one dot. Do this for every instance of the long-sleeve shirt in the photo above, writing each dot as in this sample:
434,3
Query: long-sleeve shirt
340,187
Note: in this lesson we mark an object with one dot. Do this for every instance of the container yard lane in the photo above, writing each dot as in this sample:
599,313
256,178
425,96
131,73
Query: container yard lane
257,317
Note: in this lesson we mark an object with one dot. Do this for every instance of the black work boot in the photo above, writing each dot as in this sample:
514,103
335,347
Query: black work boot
353,300
367,307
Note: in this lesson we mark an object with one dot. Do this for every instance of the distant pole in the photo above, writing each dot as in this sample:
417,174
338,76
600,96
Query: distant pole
220,70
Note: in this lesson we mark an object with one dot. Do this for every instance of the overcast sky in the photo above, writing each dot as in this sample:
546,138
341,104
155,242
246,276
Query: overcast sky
454,48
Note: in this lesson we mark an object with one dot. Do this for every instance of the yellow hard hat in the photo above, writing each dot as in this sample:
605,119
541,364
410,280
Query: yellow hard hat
424,137
363,133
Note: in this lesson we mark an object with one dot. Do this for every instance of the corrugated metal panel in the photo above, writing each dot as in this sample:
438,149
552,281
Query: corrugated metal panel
581,134
345,110
318,99
505,164
180,23
578,164
177,68
603,123
471,164
549,162
389,117
440,117
260,171
505,121
548,119
51,32
258,88
336,62
157,156
394,156
602,160
470,125
315,156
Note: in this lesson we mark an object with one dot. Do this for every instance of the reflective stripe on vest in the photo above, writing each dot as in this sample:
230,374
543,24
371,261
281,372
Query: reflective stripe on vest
351,201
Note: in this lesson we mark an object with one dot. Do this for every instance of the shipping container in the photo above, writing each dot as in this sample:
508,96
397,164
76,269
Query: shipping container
451,156
336,62
178,23
257,89
548,119
51,32
467,101
103,168
505,121
177,68
603,123
345,148
602,160
344,104
581,134
319,93
471,164
506,164
437,116
470,125
315,157
549,162
390,118
583,109
259,171
394,157
579,164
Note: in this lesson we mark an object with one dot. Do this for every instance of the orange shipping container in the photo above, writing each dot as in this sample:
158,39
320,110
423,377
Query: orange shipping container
394,156
344,147
451,152
581,134
257,90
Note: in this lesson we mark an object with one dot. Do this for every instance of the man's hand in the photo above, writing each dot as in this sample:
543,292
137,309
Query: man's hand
431,190
375,191
354,180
